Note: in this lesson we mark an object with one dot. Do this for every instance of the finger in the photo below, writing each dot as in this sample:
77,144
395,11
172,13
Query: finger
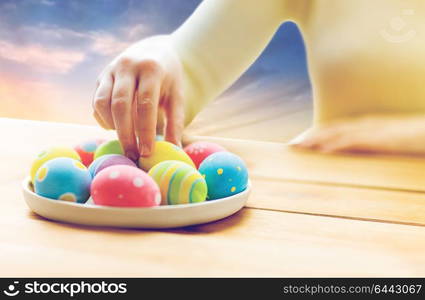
96,115
160,122
175,119
99,120
147,113
310,141
122,101
322,137
102,101
349,144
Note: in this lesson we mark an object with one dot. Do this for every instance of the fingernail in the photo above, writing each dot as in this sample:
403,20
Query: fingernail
132,155
176,142
146,150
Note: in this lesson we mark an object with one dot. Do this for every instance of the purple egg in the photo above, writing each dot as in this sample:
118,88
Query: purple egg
112,160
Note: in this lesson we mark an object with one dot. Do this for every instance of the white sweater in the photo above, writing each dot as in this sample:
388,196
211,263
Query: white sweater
364,56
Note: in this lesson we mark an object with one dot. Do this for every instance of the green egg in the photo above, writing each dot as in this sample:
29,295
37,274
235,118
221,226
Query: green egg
179,183
109,147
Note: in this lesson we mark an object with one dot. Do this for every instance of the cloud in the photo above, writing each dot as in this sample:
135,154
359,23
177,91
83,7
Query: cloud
91,41
41,58
8,6
53,33
106,44
53,49
48,2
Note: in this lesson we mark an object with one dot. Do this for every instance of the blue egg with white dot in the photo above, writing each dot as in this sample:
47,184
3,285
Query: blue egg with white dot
225,173
65,179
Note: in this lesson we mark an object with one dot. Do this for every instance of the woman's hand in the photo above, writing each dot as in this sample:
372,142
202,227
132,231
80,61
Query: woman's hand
388,134
136,90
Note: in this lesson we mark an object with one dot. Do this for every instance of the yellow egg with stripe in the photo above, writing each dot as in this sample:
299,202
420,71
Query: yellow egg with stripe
179,183
164,151
50,154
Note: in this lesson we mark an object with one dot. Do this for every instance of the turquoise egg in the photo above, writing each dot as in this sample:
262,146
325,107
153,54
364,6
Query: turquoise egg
225,173
63,179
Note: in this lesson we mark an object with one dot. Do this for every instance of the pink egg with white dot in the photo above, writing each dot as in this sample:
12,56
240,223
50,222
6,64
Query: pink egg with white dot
198,151
125,186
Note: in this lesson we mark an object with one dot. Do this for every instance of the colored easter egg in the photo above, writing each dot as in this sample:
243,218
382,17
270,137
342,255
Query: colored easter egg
125,186
198,151
63,178
159,137
179,183
108,160
86,150
51,153
225,173
93,165
164,151
109,147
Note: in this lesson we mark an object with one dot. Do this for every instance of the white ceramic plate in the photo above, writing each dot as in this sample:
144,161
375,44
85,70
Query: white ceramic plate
153,217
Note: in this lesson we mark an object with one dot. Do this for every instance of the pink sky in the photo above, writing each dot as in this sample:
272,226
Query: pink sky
55,80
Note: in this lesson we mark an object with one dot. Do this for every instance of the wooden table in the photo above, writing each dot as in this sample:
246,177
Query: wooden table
308,215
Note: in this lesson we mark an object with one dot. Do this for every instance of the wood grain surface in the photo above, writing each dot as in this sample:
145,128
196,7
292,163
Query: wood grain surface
308,215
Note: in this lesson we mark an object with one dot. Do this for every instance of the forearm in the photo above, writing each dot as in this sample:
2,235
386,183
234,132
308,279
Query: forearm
219,42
